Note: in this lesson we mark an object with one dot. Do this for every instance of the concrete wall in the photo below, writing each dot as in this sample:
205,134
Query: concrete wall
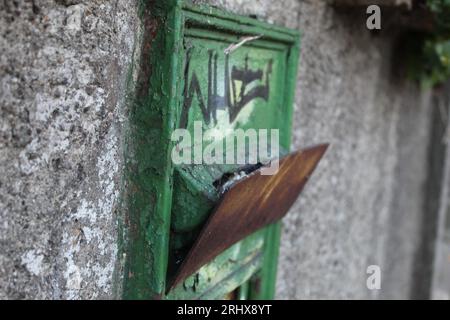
64,69
365,203
440,288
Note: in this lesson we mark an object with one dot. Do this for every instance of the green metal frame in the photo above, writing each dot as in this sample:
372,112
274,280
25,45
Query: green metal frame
154,115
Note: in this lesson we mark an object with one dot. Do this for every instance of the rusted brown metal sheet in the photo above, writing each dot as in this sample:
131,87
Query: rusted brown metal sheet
252,203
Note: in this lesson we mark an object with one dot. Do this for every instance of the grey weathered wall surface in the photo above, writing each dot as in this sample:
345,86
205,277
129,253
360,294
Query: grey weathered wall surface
63,81
63,68
440,284
364,206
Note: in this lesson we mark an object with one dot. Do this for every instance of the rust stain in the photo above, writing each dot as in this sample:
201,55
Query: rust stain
252,203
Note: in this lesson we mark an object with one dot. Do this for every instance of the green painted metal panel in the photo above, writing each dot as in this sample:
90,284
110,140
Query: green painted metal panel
202,70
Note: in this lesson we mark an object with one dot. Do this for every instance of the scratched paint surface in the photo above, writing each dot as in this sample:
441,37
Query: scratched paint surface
190,78
236,90
219,276
224,90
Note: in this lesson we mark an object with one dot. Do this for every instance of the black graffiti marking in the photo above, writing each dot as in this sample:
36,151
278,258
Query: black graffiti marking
247,76
214,101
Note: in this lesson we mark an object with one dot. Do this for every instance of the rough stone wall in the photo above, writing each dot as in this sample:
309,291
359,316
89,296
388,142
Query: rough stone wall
63,71
63,81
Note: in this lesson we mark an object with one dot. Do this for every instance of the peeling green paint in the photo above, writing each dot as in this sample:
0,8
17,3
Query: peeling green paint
149,168
166,206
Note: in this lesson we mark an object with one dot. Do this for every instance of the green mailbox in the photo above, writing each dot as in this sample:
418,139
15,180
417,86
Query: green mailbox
213,70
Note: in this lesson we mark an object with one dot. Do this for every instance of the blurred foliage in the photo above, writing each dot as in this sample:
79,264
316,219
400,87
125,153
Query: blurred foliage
441,11
432,64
